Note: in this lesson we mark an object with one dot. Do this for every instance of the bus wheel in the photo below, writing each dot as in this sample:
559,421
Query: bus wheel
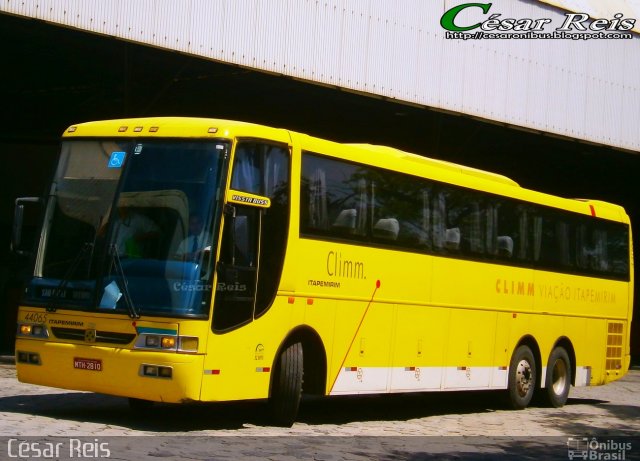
287,386
558,380
522,377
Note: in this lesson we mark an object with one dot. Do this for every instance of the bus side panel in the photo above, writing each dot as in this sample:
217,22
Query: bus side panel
239,363
419,348
362,347
589,343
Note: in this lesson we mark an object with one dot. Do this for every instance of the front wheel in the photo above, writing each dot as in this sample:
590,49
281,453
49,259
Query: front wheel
522,377
558,379
287,386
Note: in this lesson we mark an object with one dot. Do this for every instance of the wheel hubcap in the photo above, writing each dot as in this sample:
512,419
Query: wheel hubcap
523,378
559,377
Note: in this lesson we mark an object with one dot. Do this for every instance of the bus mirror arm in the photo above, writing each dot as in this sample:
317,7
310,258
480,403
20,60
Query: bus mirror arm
18,219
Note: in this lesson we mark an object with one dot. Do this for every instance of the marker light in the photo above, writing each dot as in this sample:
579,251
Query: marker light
25,329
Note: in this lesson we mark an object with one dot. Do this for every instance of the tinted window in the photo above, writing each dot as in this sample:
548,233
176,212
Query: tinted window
346,201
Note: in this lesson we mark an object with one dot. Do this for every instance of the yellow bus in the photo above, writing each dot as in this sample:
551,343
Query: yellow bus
186,259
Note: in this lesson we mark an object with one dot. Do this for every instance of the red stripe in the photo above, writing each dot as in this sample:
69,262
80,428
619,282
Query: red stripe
593,210
356,334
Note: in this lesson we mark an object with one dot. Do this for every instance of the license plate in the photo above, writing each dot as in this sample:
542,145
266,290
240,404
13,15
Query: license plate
87,364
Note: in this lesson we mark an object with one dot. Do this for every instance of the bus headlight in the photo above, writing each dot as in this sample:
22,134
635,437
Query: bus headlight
32,330
187,344
152,341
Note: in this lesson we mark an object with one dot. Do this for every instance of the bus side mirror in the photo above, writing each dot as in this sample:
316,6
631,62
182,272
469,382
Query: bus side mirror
18,219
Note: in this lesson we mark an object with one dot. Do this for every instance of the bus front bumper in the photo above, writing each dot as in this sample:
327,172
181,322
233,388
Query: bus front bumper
149,375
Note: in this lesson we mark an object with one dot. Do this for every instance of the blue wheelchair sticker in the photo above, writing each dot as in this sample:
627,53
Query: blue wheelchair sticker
117,159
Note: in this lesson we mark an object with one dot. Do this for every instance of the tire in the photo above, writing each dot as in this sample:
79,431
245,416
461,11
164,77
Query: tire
558,379
522,378
287,386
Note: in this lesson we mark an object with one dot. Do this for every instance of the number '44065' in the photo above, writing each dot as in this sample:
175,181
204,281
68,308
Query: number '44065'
36,317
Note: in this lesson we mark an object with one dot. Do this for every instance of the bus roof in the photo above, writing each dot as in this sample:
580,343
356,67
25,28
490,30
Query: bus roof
434,163
174,127
203,128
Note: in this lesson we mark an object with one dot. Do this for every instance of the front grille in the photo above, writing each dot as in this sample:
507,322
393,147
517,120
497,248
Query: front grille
107,337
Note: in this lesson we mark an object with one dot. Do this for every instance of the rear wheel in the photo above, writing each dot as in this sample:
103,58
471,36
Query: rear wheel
287,386
522,377
558,379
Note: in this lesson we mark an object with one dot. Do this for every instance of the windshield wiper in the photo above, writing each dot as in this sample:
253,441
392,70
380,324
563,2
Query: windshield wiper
115,261
69,273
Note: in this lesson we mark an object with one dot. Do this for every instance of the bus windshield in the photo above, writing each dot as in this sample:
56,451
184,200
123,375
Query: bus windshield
130,226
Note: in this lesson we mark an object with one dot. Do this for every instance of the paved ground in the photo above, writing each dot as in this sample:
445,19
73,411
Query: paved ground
603,412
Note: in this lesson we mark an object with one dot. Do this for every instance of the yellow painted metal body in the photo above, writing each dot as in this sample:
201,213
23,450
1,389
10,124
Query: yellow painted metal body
375,310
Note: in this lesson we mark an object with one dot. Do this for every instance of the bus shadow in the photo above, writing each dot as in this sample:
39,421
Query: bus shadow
397,407
115,411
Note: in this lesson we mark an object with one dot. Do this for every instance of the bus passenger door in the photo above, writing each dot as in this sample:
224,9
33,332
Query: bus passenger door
253,242
237,268
229,372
